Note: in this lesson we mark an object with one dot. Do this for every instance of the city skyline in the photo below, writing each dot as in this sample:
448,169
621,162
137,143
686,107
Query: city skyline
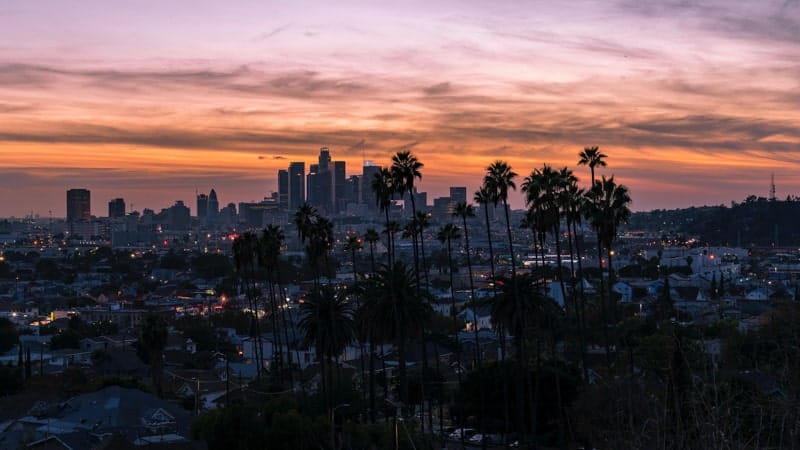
694,103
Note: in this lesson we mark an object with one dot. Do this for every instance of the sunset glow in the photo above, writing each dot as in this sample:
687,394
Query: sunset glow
693,103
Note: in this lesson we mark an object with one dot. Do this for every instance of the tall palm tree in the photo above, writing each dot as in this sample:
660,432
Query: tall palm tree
395,312
514,309
446,235
371,237
464,211
302,219
327,323
499,180
405,170
384,189
392,228
423,221
543,190
484,197
573,198
606,209
246,251
318,242
270,244
592,157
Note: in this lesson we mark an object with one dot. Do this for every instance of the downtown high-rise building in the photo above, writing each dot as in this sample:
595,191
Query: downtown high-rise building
367,177
283,189
212,212
339,190
79,205
202,206
297,183
458,194
326,183
116,208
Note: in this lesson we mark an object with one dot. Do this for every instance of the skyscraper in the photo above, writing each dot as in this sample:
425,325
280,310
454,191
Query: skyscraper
297,193
339,191
283,189
458,194
368,175
116,208
213,208
79,205
202,206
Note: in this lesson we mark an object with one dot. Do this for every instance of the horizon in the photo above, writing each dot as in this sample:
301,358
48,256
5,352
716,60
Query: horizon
694,104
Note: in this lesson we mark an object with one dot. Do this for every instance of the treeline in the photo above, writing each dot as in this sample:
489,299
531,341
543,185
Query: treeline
754,222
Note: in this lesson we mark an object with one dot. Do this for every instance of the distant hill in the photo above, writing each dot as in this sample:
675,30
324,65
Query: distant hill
754,222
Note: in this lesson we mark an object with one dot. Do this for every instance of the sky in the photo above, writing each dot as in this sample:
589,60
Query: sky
694,102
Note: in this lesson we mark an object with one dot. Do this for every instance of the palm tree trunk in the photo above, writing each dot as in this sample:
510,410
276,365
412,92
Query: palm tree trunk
603,306
501,330
482,416
577,297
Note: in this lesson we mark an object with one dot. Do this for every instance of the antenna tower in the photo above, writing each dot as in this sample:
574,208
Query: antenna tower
772,188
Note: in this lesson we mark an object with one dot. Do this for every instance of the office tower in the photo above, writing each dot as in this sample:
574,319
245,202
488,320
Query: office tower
227,215
297,183
324,159
352,189
213,208
368,175
178,216
116,208
202,206
283,189
458,194
322,182
79,205
339,191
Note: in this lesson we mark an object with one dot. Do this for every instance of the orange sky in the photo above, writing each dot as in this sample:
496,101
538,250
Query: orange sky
694,104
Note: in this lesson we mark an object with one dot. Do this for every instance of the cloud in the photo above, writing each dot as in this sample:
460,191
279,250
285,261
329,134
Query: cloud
438,89
268,34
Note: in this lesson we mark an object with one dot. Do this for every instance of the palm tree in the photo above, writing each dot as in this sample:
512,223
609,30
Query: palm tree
606,209
327,323
573,198
464,211
446,234
484,197
395,312
514,312
498,180
371,237
302,219
318,239
246,251
423,221
270,244
543,190
592,157
384,189
405,169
